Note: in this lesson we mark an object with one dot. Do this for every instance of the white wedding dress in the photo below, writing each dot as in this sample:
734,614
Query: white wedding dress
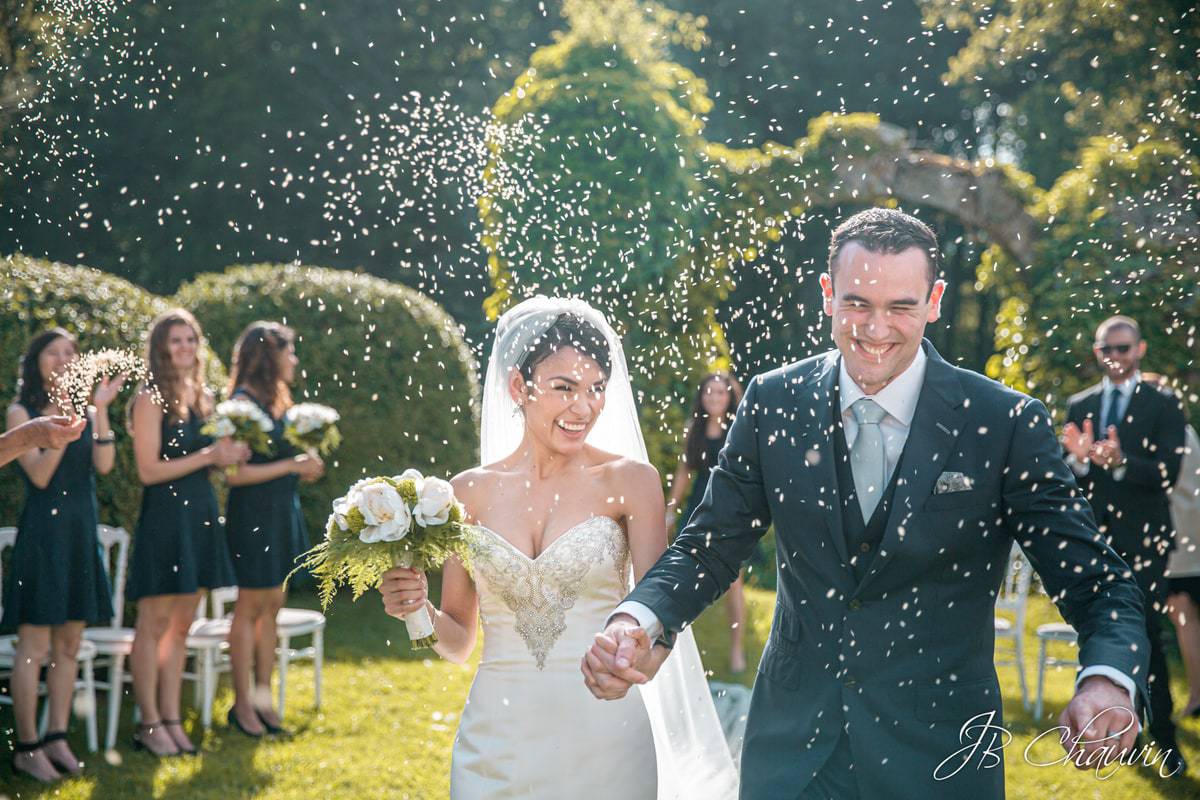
530,728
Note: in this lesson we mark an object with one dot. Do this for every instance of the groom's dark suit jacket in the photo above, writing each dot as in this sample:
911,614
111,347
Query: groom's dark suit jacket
903,657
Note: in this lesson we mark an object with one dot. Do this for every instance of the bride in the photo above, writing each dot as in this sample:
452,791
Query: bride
569,511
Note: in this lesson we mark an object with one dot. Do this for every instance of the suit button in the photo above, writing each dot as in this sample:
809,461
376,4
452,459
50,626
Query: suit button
855,605
864,548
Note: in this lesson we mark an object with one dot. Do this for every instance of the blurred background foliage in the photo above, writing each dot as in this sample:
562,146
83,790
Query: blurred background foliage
225,131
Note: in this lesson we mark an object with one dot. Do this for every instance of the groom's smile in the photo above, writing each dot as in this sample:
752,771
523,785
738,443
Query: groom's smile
880,304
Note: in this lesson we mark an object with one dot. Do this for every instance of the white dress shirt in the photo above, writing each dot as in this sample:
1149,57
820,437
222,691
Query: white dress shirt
899,399
1112,416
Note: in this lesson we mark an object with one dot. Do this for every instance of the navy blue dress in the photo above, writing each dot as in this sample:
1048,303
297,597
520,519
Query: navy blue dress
263,523
180,543
708,459
57,573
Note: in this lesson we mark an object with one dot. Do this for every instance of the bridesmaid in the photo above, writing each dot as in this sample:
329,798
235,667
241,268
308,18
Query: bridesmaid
180,545
57,583
263,522
712,413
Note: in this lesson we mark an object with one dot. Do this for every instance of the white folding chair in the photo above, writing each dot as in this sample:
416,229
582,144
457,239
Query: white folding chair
1014,595
207,639
1052,632
85,658
113,643
290,623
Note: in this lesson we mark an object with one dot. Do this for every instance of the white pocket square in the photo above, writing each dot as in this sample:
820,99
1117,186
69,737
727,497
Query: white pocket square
953,482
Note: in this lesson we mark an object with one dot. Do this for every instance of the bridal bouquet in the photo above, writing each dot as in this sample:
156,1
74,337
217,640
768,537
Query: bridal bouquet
243,421
404,521
312,426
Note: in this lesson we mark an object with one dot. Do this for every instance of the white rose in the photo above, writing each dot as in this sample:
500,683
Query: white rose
411,475
341,508
223,427
386,516
435,498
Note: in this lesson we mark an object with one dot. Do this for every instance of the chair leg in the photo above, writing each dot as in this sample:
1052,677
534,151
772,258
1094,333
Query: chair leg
116,689
197,682
318,663
1041,680
285,656
1020,649
207,679
89,689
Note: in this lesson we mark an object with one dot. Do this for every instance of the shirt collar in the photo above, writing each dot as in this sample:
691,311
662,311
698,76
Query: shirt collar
898,398
1126,386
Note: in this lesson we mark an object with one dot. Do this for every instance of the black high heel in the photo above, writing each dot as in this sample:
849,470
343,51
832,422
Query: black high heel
233,723
141,746
274,730
30,747
62,766
183,751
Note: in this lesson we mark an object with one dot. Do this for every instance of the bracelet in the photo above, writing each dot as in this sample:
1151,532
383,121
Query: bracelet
110,439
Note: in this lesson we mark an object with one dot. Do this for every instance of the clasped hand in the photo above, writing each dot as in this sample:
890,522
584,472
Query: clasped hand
620,657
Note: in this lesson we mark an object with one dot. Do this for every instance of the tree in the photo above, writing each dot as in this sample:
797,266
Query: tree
1055,74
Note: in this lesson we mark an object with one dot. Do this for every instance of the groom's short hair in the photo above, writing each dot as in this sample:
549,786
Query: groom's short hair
886,230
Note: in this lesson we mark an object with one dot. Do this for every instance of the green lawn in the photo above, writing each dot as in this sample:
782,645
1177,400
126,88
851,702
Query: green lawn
388,722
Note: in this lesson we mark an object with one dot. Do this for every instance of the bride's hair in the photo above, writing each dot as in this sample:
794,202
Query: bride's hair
568,330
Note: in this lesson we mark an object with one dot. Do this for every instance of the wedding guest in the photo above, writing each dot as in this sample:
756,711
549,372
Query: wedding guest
179,548
1183,569
56,582
263,523
713,408
1124,440
42,433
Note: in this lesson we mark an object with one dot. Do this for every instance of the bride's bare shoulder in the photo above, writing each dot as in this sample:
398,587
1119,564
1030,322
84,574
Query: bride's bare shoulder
471,482
623,469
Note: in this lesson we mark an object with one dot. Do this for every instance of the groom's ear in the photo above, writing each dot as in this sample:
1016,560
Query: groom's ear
935,300
827,293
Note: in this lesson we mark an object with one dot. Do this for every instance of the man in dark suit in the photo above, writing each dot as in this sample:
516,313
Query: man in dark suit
1124,439
897,484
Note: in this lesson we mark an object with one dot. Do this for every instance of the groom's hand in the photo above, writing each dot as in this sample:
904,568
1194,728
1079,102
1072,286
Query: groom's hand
1098,718
617,659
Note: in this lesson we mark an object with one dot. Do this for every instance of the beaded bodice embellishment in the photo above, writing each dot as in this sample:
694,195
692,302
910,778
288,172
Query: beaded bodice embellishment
540,591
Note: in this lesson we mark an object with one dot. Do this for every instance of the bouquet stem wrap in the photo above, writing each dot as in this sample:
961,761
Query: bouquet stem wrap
418,624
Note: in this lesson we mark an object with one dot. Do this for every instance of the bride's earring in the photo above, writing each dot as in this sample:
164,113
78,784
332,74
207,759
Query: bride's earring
518,409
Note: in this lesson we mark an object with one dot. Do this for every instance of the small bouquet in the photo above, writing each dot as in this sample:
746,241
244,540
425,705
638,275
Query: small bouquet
407,521
312,426
243,421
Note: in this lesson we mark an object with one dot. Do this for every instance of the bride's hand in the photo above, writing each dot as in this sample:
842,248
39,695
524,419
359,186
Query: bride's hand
404,591
621,656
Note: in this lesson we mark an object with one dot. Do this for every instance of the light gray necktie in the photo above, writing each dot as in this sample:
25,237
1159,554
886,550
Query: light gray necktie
868,462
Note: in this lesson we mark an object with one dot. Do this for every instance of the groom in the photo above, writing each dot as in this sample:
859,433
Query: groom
897,485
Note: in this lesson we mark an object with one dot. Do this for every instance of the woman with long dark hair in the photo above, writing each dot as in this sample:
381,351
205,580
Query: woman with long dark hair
180,547
263,524
57,583
712,413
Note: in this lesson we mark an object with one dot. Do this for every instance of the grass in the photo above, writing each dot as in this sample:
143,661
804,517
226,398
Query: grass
388,720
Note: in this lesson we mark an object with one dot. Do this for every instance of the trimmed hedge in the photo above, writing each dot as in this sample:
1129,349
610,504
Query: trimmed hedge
388,358
102,311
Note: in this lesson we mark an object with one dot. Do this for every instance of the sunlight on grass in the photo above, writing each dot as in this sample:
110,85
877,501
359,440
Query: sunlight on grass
388,721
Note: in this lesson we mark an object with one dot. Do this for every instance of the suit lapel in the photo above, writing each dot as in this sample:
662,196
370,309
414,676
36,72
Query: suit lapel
818,441
935,428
